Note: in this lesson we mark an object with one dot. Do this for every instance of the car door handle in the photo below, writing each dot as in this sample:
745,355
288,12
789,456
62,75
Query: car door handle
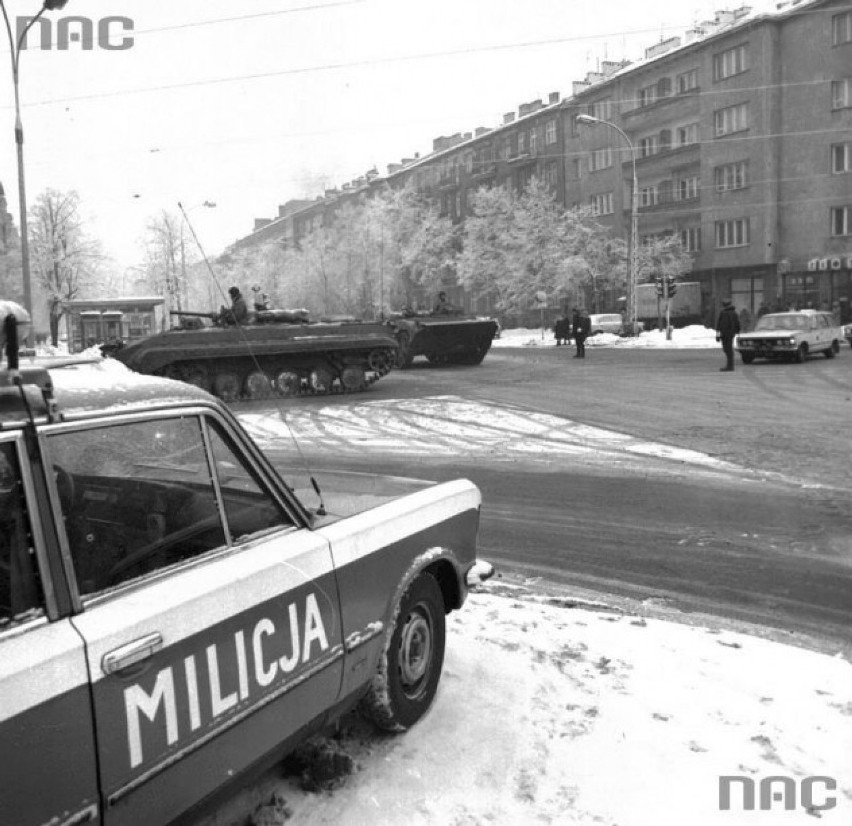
133,652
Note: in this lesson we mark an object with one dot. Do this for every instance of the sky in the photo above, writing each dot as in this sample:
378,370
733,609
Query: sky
249,105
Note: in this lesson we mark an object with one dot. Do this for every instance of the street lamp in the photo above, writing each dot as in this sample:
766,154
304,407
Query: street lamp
588,120
15,50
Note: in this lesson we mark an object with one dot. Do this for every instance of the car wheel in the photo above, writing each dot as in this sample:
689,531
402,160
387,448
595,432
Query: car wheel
406,681
832,351
747,358
801,353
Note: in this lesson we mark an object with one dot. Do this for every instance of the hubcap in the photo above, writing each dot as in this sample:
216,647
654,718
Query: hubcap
415,652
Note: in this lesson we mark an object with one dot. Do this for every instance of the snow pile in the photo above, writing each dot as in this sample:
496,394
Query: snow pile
550,713
694,336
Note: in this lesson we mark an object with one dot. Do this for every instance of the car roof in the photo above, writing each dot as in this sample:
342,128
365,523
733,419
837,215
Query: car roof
86,387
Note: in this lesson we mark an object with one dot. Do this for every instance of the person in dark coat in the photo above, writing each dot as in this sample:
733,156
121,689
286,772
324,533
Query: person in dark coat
562,330
582,327
238,314
443,306
727,328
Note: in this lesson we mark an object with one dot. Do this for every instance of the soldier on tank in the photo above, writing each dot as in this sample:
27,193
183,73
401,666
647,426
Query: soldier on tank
238,314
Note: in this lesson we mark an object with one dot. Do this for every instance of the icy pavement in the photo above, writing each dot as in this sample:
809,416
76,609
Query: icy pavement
447,426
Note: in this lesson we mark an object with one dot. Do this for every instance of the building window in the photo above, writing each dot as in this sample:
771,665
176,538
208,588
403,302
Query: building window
648,146
576,165
601,109
690,239
732,233
687,82
602,204
841,220
648,196
731,176
730,62
600,159
687,135
647,95
841,28
687,188
550,132
841,93
522,141
533,141
551,174
731,119
841,158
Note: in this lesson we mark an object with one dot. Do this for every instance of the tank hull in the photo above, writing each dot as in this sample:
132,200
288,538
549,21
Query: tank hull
443,339
258,360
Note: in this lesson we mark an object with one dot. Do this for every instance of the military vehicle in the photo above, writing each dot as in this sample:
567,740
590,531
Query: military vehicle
442,338
278,352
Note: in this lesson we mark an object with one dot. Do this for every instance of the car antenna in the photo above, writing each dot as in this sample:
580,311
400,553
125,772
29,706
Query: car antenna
321,511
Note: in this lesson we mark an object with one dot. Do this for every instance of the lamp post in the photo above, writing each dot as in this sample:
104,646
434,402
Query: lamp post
15,51
589,120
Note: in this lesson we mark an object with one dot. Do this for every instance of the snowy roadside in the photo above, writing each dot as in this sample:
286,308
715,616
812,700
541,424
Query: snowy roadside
692,337
550,711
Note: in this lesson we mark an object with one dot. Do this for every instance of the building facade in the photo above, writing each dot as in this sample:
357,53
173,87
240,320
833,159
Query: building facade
741,136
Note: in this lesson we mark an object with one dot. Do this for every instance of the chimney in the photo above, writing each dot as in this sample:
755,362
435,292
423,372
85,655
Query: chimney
724,17
372,173
394,167
694,34
439,144
552,98
610,67
662,47
481,130
742,11
594,77
468,136
260,223
529,108
579,86
508,117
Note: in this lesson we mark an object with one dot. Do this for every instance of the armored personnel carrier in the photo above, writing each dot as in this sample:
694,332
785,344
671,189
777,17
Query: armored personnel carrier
278,352
443,338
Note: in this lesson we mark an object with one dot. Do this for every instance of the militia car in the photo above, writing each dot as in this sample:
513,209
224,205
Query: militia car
792,336
173,614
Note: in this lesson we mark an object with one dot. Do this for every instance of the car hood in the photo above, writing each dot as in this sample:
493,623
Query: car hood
772,334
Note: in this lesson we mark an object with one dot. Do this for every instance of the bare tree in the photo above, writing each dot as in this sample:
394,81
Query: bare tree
63,259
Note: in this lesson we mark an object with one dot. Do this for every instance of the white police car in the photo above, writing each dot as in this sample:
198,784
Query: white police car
171,614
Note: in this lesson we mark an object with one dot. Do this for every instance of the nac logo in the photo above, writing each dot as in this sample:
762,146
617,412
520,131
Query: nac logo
777,791
110,33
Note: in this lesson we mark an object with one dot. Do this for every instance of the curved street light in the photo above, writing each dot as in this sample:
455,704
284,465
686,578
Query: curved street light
589,120
15,50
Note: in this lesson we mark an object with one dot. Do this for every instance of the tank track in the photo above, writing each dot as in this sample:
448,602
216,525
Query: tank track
371,375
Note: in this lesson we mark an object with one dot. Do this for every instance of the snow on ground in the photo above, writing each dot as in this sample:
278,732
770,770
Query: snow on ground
694,336
556,714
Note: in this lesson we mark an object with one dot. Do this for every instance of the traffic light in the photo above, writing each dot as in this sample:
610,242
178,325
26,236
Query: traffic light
672,285
660,287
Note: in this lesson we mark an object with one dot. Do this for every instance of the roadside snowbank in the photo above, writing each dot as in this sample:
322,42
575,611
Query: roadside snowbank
552,713
694,336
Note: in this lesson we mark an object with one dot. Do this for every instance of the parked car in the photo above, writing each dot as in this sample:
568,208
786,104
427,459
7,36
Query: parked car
173,614
847,332
606,323
791,335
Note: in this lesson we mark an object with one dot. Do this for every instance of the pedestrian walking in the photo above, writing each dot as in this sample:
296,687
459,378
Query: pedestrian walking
582,326
727,328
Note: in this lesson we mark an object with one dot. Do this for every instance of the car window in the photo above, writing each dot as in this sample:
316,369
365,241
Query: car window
20,589
135,497
249,509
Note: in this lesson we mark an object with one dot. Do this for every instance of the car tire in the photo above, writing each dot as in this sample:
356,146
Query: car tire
832,351
747,358
406,680
801,354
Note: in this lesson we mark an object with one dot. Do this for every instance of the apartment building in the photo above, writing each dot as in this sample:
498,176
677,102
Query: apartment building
741,135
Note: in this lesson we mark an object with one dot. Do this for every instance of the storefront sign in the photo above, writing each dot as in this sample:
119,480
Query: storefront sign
836,262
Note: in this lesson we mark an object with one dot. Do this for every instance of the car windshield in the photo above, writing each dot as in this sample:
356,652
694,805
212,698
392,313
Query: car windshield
782,322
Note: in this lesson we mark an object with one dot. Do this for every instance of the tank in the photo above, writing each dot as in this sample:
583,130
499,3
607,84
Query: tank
278,352
442,338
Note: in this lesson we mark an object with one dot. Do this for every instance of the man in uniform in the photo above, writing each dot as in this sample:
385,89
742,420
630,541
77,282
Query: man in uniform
582,327
238,314
443,305
727,328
